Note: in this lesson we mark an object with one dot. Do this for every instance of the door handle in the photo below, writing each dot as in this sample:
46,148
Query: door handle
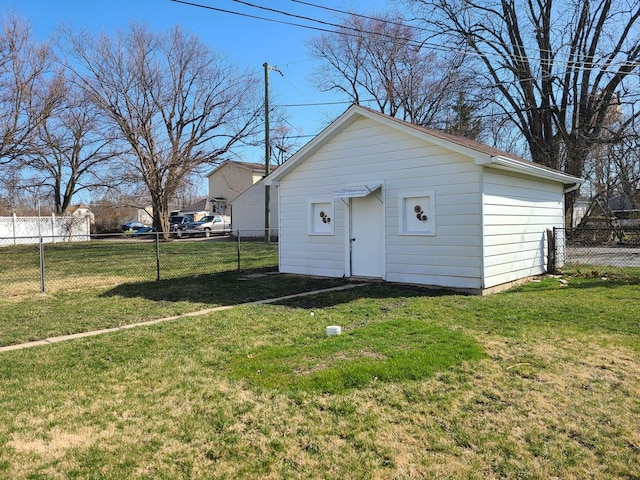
353,239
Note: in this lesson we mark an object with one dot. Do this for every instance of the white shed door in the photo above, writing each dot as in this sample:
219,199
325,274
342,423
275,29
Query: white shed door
366,237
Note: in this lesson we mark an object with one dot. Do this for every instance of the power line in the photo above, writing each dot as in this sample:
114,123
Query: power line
342,29
288,64
255,17
409,41
334,25
359,32
319,104
359,15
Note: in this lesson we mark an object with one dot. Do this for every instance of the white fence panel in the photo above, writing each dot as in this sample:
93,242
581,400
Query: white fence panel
28,230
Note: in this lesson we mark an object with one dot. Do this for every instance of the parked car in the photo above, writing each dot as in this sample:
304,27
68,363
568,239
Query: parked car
133,226
177,223
208,225
144,231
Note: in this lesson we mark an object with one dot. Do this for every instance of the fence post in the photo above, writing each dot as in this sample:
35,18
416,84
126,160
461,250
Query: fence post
15,221
551,250
238,250
42,283
157,256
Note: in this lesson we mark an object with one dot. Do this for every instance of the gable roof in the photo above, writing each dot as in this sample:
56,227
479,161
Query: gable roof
199,206
75,208
482,154
257,168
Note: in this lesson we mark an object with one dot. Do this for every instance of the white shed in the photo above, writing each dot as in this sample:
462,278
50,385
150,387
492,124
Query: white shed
247,211
375,197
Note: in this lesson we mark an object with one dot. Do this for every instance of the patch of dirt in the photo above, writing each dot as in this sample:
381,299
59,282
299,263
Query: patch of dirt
342,356
57,444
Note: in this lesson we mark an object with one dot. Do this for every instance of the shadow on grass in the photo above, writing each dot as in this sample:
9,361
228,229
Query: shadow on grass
370,291
609,282
580,282
233,288
223,288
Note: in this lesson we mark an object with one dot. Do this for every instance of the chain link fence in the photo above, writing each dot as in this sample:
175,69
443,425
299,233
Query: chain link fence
597,248
56,263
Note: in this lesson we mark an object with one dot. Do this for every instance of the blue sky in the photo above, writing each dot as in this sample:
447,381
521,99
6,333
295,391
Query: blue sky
248,42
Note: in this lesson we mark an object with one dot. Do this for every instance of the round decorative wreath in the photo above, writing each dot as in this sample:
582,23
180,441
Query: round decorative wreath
324,217
420,214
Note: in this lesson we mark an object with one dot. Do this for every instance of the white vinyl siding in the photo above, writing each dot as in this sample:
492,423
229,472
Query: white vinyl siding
300,252
517,213
247,211
230,180
367,151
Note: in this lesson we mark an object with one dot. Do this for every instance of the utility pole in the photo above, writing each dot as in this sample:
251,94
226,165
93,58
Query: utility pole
267,152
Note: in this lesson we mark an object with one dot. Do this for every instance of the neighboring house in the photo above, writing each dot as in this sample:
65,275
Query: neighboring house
623,203
626,209
247,211
229,180
375,197
580,207
82,211
144,215
198,210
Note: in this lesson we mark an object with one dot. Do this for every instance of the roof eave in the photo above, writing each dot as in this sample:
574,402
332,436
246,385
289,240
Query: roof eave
257,168
527,168
480,158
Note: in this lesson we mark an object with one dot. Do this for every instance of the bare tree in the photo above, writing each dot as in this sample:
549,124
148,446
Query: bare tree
626,161
283,143
10,192
71,147
111,211
554,68
615,169
23,63
175,103
382,59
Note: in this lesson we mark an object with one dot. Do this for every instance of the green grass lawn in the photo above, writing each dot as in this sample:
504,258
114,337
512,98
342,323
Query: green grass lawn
107,262
538,382
24,319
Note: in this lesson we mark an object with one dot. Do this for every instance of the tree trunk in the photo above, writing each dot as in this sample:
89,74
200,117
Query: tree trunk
161,217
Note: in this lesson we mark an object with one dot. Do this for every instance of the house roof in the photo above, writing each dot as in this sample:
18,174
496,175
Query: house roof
253,167
620,202
74,208
482,154
199,206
